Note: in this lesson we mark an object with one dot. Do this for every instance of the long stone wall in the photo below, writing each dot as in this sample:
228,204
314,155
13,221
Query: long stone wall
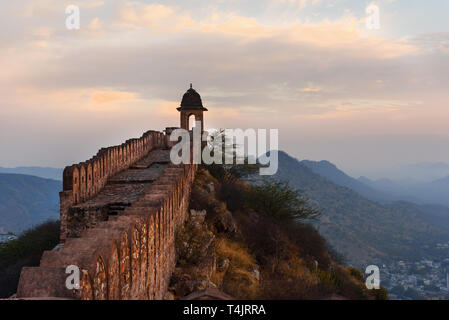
84,180
119,228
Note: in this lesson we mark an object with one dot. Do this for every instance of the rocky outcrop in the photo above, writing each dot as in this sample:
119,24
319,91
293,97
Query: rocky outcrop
203,264
196,261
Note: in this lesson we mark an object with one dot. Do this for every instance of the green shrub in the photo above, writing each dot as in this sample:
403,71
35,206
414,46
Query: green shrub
279,200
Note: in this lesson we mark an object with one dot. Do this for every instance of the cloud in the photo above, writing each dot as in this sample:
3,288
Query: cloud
95,24
129,65
341,34
112,96
43,32
88,4
310,89
432,42
355,108
153,16
300,4
47,8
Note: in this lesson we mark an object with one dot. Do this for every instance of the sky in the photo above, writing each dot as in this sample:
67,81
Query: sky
363,99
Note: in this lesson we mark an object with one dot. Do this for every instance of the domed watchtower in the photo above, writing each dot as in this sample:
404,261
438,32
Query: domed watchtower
191,104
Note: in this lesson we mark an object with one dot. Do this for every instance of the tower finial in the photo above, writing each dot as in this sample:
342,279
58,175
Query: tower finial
190,85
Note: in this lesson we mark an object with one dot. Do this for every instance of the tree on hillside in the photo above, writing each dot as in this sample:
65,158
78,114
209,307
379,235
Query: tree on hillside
277,199
223,147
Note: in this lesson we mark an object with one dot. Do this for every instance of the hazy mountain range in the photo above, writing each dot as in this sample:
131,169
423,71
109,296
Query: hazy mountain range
26,201
419,192
362,229
387,190
418,172
42,172
329,171
365,220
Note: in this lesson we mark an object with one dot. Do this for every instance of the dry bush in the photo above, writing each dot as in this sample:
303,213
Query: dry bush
310,243
280,288
234,251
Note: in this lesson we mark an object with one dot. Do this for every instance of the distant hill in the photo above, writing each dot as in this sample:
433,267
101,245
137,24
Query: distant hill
362,230
444,180
46,173
418,192
435,192
432,213
428,170
418,172
383,190
329,171
26,201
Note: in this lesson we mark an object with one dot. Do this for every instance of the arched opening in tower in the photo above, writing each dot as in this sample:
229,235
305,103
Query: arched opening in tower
192,119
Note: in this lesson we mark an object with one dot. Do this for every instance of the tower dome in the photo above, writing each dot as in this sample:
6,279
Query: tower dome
191,100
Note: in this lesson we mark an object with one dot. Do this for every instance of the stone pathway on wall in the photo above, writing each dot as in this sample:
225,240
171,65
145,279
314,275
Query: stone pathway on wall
120,192
130,184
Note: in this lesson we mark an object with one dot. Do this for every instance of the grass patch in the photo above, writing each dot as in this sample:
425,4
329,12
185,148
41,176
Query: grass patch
239,280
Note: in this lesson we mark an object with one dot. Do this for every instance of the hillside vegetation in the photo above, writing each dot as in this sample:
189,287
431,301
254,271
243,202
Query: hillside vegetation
253,242
25,251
